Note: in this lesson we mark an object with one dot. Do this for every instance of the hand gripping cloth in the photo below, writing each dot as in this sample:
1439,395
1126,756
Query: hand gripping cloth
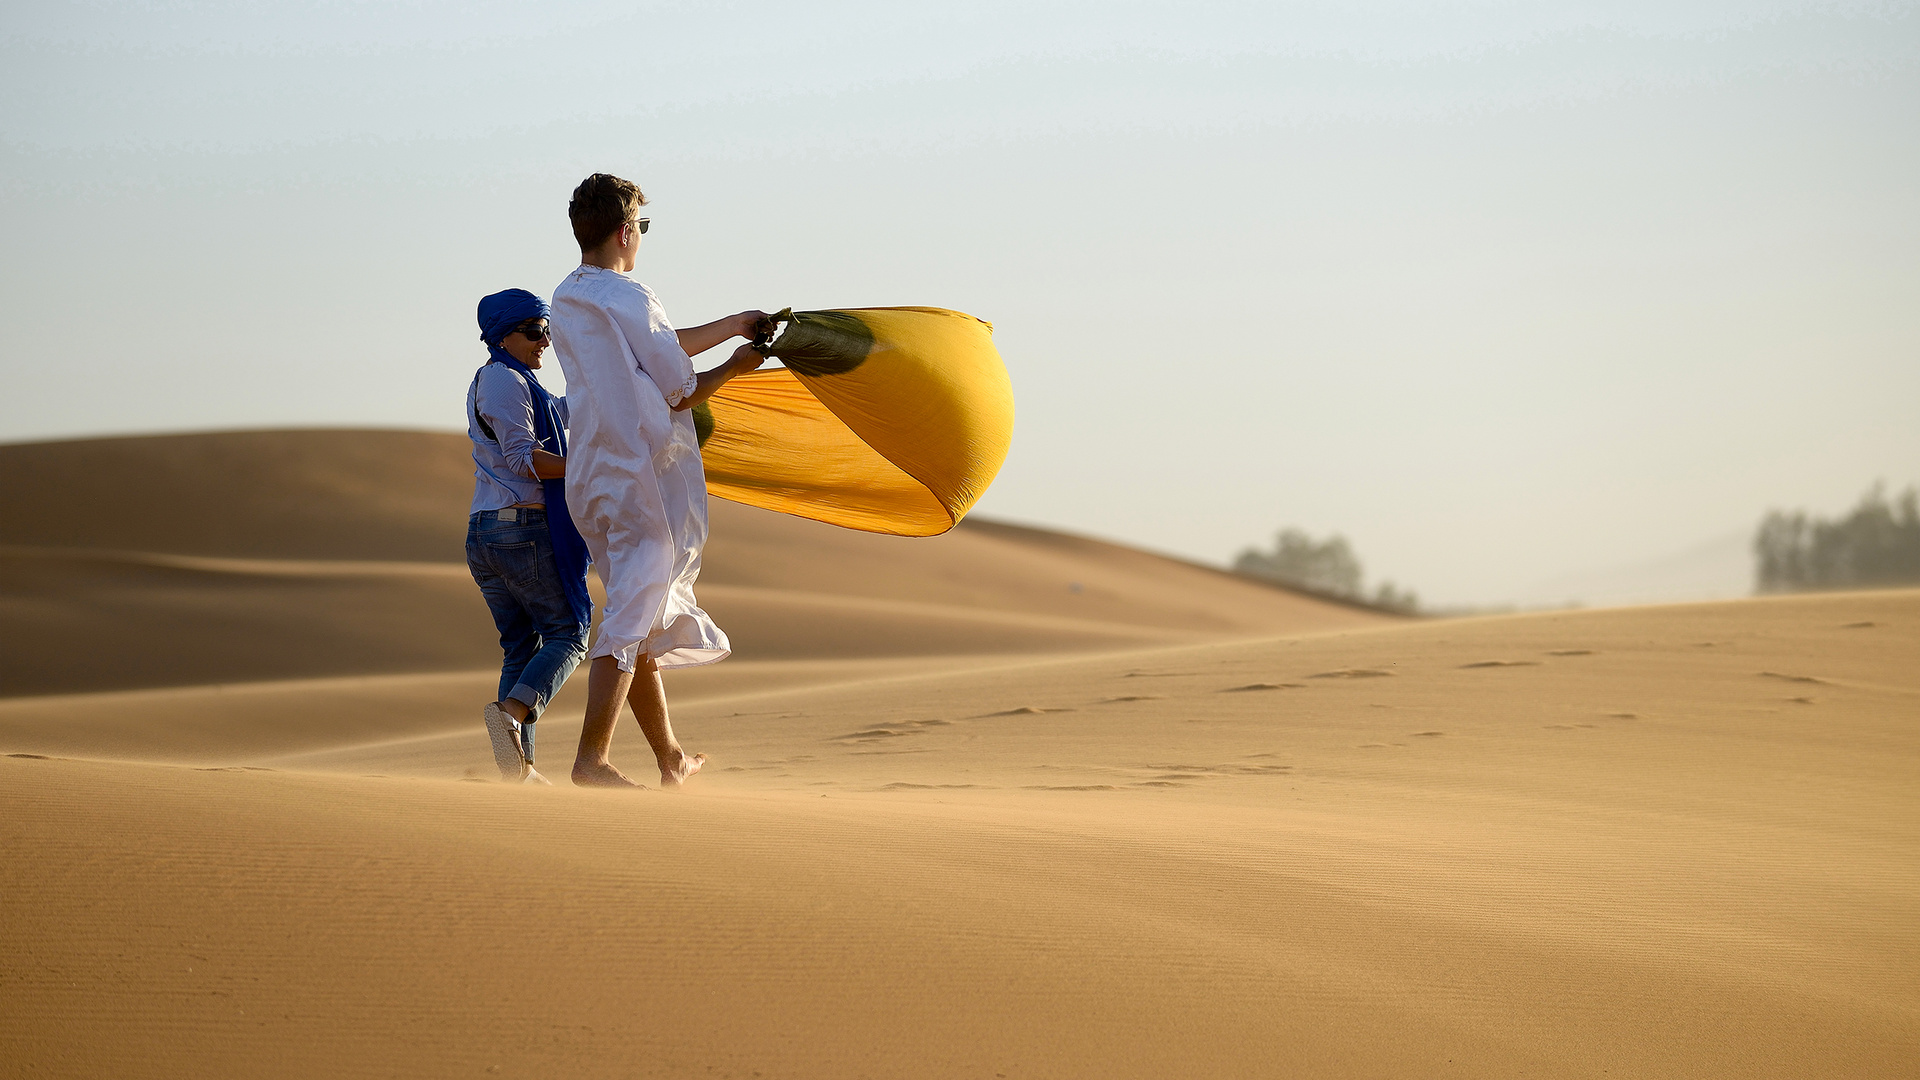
887,420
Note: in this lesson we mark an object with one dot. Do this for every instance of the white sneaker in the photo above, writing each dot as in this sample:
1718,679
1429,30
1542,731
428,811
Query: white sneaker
533,777
504,732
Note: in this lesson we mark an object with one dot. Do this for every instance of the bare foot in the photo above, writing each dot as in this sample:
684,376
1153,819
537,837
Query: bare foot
586,774
689,764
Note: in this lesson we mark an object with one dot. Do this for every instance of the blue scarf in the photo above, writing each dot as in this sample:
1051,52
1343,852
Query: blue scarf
569,548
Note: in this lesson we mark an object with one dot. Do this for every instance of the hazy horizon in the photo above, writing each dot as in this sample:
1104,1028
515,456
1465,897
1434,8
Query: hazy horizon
1506,295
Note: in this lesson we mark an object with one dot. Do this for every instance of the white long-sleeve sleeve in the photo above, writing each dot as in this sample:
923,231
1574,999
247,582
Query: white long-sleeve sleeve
643,322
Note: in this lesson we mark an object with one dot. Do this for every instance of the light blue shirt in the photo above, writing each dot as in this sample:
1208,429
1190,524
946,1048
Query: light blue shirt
503,473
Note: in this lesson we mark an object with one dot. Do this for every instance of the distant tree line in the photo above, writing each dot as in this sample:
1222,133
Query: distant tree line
1878,544
1328,567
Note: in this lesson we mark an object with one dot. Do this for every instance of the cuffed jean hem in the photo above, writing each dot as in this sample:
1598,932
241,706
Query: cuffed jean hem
528,696
545,673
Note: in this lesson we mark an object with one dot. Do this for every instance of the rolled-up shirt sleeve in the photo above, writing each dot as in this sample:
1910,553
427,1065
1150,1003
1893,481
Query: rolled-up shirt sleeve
644,324
501,398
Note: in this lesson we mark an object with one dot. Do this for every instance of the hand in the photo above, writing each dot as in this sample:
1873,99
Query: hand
752,324
745,359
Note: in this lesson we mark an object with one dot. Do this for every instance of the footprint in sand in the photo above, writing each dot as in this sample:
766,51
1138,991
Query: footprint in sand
902,786
1352,673
1071,787
874,733
893,732
1500,663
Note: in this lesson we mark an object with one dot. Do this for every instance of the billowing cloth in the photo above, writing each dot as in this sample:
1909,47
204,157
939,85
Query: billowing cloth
503,311
498,315
633,477
888,420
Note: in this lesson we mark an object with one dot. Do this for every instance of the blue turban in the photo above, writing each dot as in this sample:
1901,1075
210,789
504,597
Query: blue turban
503,311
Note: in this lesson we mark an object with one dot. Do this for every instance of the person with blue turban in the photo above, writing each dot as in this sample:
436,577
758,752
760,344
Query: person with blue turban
522,546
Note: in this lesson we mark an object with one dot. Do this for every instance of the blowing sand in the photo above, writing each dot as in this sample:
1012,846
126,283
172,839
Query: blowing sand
1249,835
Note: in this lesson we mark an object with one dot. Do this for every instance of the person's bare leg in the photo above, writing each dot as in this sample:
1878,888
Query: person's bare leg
648,697
606,687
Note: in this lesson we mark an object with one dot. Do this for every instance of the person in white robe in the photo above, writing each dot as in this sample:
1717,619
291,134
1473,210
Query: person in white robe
635,486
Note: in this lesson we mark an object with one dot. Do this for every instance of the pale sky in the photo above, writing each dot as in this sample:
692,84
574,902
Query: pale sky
1509,294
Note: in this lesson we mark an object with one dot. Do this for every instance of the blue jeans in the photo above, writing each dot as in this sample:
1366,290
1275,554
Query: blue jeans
540,637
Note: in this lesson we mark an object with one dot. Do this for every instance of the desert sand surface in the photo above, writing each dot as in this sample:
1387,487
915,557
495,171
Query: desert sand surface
1185,826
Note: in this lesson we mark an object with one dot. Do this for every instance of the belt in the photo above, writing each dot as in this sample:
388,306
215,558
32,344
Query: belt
513,513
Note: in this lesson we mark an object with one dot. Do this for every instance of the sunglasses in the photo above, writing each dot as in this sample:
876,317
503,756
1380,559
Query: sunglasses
642,223
536,333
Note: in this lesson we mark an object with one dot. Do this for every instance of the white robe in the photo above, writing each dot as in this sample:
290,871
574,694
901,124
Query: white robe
634,480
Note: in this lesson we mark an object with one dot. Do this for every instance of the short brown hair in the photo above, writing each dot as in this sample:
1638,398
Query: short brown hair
602,203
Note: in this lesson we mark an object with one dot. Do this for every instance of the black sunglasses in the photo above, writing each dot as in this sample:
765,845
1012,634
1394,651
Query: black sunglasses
642,222
536,333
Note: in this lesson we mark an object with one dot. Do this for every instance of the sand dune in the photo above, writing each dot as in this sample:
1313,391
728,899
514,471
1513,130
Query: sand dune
334,494
258,556
93,621
400,496
74,621
1004,803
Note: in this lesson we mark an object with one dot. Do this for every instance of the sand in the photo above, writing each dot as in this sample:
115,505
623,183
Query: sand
1210,829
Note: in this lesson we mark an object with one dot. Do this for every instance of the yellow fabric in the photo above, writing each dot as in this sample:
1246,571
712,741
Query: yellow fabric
904,443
